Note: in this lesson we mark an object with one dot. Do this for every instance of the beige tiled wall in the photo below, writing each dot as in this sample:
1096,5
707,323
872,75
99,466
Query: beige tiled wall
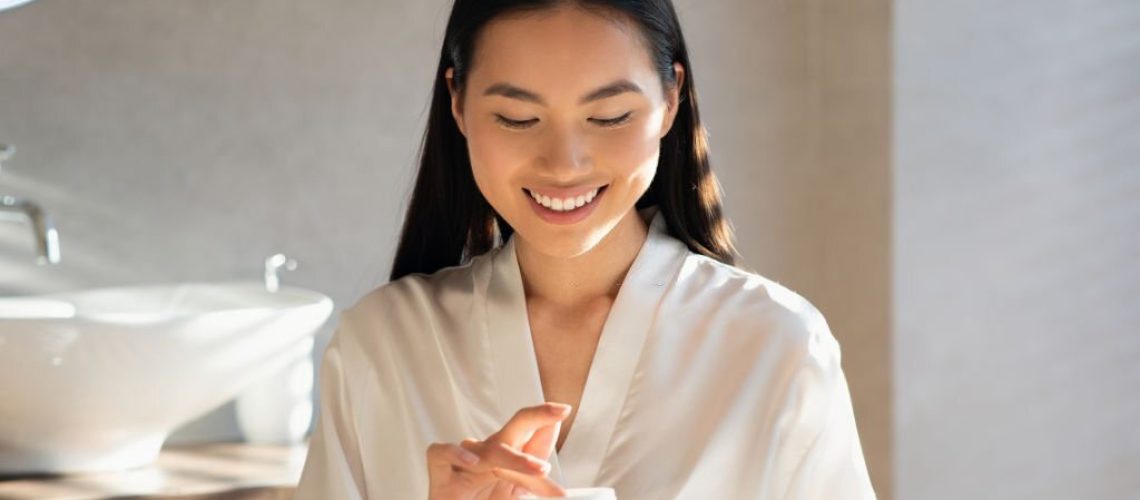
797,96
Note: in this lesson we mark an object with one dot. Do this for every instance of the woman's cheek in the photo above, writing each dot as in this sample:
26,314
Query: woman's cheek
492,158
633,155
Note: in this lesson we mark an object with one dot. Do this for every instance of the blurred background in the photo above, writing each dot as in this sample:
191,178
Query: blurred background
956,186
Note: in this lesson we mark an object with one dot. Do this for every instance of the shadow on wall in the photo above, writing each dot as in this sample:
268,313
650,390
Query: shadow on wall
81,265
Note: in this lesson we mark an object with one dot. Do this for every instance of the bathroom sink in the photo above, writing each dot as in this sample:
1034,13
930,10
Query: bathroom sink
96,380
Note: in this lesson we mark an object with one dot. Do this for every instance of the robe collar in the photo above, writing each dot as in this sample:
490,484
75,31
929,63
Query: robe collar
611,373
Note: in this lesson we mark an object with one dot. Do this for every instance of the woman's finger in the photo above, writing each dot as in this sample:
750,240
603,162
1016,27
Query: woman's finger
539,485
522,426
503,490
518,468
494,454
542,443
443,458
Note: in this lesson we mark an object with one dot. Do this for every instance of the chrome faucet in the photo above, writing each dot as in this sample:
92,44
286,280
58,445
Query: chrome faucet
273,265
47,238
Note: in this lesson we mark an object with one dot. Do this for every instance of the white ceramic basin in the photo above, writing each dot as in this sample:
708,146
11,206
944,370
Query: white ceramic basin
96,380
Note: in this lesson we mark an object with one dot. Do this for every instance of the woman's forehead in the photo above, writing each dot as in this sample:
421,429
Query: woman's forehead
567,52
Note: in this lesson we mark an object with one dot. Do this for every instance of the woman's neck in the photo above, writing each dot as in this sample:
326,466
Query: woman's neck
582,280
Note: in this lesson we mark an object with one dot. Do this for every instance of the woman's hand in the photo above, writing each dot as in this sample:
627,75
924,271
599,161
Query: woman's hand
507,464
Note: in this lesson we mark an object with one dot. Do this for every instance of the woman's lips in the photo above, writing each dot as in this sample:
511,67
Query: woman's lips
564,217
563,193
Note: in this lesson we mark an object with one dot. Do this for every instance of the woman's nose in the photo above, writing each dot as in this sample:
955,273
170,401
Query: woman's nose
565,150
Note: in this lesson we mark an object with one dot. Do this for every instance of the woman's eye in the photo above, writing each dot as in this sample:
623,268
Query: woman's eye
613,122
522,124
509,123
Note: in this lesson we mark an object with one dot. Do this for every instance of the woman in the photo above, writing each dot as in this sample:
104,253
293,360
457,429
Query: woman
563,310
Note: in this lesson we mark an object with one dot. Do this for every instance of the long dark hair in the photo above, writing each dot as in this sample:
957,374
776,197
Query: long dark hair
449,221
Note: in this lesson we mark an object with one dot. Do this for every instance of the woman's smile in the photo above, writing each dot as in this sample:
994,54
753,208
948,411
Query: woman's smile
564,205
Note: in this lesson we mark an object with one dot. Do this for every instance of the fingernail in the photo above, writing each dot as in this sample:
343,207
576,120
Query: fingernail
559,410
468,458
541,465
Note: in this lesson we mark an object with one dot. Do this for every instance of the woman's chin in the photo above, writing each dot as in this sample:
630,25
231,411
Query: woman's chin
563,242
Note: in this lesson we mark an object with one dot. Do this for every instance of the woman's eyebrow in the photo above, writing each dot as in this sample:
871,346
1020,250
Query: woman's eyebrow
512,92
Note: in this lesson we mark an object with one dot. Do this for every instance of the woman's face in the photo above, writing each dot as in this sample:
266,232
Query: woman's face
563,105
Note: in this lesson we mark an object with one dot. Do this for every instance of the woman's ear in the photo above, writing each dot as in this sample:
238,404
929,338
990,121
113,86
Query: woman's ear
673,99
456,106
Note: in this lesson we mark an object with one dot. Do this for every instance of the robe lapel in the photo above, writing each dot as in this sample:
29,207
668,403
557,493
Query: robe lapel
514,361
619,348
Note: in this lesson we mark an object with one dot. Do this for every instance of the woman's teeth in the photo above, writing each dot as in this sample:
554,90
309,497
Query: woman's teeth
564,204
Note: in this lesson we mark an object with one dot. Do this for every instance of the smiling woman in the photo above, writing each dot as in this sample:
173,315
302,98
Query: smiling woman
580,109
563,310
568,96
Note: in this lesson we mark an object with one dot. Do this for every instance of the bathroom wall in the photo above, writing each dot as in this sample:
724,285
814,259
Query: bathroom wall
187,141
1016,286
797,95
178,140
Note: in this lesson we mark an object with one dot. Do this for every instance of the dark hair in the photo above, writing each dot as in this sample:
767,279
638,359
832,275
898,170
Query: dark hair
449,221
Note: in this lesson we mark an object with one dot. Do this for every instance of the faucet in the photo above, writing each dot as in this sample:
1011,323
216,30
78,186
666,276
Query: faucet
46,236
273,265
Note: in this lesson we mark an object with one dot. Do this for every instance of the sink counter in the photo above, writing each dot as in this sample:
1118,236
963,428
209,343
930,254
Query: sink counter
213,471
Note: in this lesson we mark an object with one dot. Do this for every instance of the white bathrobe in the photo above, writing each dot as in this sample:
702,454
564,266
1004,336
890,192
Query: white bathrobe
709,382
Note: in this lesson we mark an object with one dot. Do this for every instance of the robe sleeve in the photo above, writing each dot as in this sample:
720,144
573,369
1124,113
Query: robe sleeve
833,466
333,467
